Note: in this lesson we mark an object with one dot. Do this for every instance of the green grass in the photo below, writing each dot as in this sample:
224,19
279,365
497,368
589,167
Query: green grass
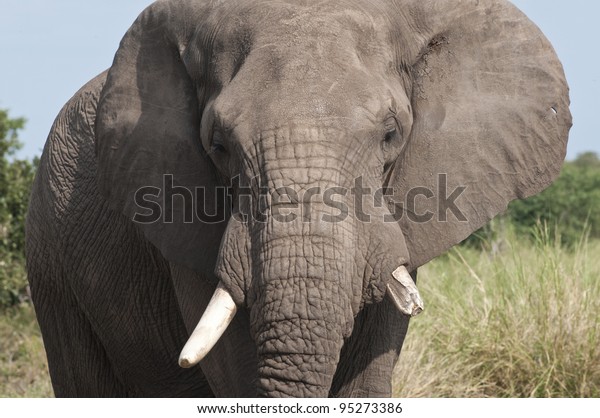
23,366
523,322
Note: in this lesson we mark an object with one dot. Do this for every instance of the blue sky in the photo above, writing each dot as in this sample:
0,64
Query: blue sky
50,48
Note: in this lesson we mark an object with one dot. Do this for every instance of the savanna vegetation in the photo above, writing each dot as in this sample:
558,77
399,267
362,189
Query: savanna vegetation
23,369
16,176
512,312
522,321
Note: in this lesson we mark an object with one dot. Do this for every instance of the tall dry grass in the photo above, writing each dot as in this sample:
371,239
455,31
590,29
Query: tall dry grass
523,322
23,366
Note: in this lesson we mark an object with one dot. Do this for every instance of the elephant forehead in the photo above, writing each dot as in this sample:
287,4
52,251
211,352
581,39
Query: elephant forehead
271,88
306,35
309,17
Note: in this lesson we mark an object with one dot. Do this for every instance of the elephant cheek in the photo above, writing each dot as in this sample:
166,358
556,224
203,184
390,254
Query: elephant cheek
386,250
234,266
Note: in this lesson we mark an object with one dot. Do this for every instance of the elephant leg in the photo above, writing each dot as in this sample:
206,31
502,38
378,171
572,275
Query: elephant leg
124,287
368,357
77,362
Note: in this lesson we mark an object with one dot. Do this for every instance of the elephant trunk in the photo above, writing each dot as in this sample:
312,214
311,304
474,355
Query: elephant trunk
304,297
306,371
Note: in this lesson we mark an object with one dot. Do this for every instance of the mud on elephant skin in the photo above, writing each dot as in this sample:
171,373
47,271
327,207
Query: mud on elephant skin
295,101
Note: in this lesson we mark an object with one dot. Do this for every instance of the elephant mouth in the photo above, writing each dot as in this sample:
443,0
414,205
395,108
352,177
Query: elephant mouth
221,310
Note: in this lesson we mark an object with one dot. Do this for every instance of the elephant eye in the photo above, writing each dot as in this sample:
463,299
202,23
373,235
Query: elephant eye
391,145
217,145
217,148
390,135
392,130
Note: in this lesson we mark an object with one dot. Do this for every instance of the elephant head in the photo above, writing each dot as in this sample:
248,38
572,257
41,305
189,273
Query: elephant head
452,108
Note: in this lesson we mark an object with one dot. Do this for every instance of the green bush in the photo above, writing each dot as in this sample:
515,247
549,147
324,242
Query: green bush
13,279
16,177
571,204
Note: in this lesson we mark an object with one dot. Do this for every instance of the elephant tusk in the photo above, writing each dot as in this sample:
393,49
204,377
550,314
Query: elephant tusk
404,293
216,318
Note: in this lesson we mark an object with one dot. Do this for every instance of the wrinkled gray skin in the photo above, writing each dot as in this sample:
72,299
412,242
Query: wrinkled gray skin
303,94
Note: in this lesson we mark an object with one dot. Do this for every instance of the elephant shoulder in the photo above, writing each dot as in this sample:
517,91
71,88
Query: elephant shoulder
68,161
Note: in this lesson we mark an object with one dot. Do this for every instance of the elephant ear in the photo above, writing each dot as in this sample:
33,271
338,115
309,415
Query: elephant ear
147,134
491,118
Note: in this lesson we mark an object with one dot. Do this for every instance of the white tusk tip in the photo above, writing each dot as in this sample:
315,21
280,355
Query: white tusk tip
417,310
185,363
404,293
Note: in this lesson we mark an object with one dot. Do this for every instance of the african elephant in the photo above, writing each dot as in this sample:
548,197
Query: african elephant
434,113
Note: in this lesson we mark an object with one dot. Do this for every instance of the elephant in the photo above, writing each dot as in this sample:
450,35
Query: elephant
169,251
